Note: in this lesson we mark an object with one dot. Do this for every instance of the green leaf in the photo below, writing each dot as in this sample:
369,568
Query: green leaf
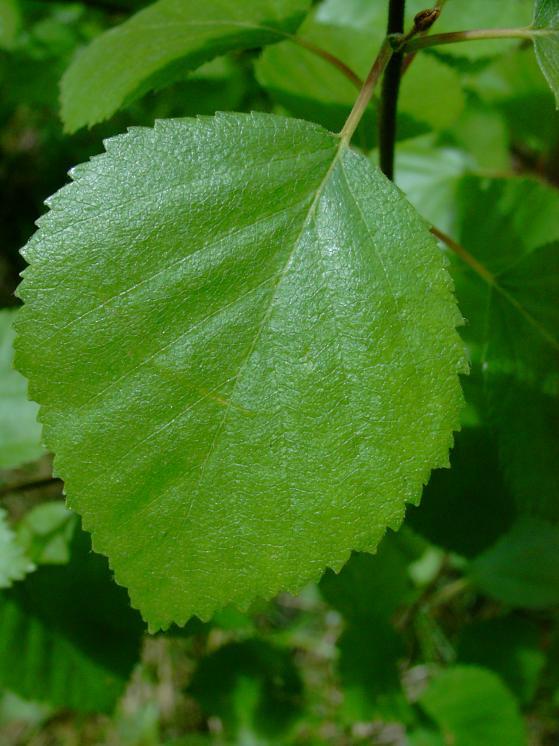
311,88
252,686
46,532
522,568
371,586
14,564
162,43
511,647
454,500
68,635
10,21
472,707
268,378
429,175
546,41
20,433
460,16
521,369
368,665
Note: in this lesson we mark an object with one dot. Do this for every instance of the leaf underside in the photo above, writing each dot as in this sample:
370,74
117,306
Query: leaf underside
162,43
255,358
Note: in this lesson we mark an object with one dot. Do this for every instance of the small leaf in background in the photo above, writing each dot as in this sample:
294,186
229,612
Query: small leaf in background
10,21
252,686
518,243
546,41
14,563
20,433
368,665
473,707
461,16
511,647
162,43
297,314
455,498
68,635
46,533
522,568
429,175
371,586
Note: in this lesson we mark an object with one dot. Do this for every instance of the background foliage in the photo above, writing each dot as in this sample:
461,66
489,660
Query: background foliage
450,633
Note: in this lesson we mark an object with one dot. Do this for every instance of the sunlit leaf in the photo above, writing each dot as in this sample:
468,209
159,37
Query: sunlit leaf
268,377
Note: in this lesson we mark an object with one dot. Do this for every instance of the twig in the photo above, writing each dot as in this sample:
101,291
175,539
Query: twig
389,94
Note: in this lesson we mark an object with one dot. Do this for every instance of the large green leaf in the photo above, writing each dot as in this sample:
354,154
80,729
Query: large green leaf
162,43
68,635
546,41
472,707
267,378
522,568
14,564
20,433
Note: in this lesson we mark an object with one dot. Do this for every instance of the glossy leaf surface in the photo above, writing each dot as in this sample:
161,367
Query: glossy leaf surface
267,378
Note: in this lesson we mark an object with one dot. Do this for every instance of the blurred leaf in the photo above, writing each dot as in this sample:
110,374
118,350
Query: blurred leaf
309,87
455,498
371,586
527,424
252,686
10,21
511,647
514,87
520,367
481,131
20,433
369,654
426,737
162,43
14,564
46,533
546,42
431,93
458,15
522,568
68,635
473,707
429,175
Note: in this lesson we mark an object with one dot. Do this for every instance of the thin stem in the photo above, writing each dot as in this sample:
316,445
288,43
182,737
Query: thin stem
449,592
453,37
9,489
365,95
330,58
465,255
390,91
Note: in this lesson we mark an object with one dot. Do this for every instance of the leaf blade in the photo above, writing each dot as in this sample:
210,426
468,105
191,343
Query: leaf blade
163,42
301,326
